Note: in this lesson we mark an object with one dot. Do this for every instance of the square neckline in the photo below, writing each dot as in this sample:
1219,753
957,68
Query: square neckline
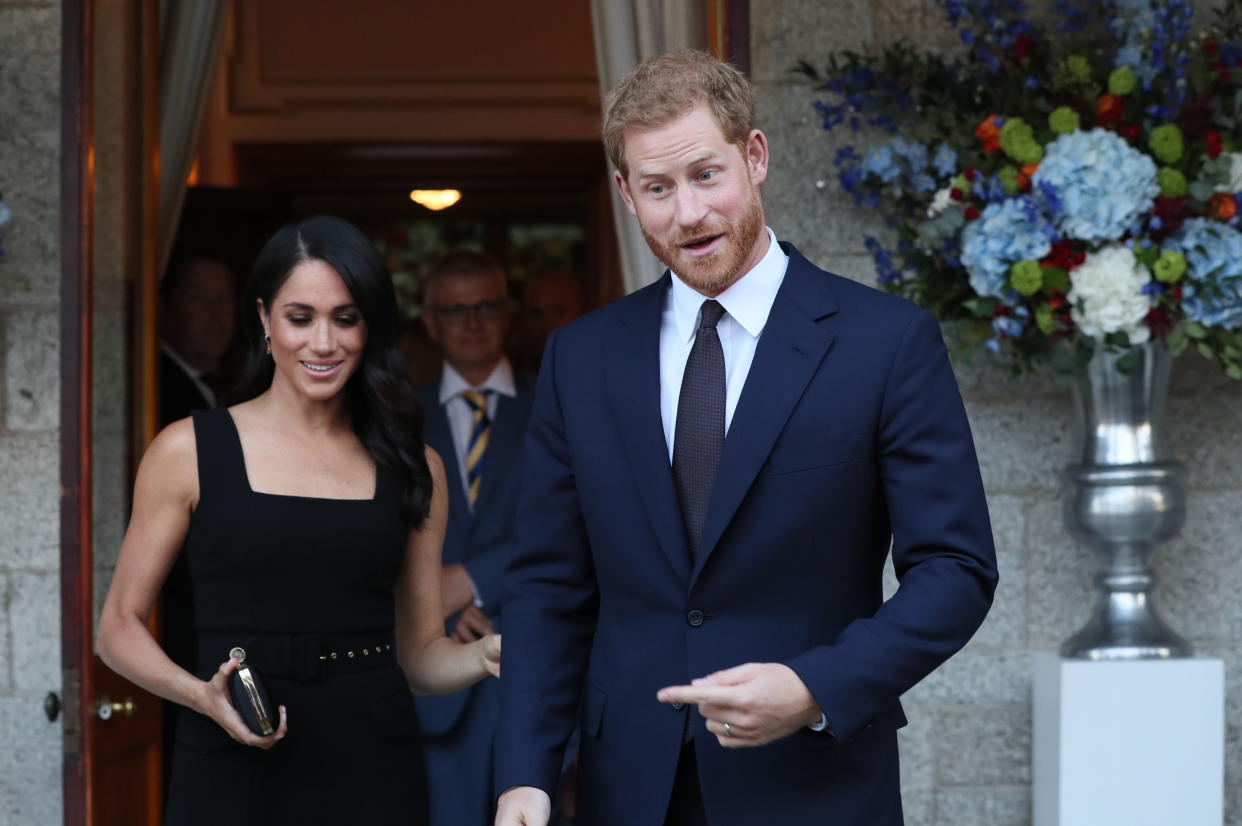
245,473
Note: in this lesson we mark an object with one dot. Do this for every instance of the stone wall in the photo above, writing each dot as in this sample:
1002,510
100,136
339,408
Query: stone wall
29,411
966,754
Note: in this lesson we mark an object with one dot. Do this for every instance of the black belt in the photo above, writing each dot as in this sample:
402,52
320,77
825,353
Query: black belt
306,658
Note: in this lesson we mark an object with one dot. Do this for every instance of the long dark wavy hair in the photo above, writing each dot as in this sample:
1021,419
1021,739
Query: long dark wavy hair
383,409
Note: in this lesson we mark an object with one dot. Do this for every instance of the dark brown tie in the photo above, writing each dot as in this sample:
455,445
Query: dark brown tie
699,438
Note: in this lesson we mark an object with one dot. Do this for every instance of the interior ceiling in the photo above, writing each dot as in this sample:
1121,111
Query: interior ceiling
374,70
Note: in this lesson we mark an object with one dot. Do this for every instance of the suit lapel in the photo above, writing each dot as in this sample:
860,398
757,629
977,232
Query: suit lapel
633,365
789,352
439,433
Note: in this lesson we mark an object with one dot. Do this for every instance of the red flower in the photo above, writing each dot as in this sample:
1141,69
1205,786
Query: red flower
972,174
1172,212
1211,47
1110,109
1214,145
1056,302
1022,47
1176,292
971,212
1063,256
1160,321
1130,131
956,194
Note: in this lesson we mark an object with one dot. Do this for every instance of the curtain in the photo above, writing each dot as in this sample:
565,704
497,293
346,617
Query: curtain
628,32
190,35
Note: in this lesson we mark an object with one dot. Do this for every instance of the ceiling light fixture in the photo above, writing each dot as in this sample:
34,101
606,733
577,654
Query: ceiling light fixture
435,199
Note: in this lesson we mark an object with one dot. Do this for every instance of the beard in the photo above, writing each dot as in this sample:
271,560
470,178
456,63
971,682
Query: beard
714,274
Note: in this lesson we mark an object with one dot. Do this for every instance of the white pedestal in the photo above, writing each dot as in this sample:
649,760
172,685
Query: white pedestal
1137,743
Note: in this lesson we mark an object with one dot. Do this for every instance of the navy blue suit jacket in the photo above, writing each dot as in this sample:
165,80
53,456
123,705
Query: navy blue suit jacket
849,435
481,541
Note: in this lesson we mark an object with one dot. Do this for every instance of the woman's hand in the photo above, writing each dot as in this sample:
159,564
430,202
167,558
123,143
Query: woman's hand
215,704
490,653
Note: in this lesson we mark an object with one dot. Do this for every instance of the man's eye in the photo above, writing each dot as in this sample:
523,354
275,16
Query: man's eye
656,189
707,174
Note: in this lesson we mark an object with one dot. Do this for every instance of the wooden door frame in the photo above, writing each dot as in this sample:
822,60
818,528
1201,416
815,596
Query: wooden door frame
76,290
77,191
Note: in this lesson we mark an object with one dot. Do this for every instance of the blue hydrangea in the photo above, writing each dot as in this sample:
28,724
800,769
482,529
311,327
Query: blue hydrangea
901,164
882,163
1011,230
1099,182
1213,288
945,161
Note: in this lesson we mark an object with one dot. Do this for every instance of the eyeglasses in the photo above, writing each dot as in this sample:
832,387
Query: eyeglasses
458,313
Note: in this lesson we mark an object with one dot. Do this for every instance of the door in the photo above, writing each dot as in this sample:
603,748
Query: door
109,82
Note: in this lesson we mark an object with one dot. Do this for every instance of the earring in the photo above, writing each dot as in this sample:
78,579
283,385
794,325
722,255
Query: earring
267,345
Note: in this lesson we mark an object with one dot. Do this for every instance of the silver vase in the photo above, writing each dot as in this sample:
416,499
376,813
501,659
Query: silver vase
1126,497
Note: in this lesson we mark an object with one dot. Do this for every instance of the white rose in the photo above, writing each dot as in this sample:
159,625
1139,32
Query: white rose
941,201
1106,294
1235,174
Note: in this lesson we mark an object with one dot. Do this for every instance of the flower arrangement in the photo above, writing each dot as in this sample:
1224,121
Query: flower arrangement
1060,186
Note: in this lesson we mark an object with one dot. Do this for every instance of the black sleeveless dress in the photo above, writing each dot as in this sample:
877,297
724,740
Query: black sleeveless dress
305,586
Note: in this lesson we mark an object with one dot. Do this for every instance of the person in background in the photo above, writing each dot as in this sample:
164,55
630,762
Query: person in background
550,299
475,418
717,468
197,321
197,318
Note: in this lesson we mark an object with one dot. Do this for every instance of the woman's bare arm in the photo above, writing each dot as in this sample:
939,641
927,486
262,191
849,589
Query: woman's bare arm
165,494
434,664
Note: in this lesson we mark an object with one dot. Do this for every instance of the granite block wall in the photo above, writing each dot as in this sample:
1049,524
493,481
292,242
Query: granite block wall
29,411
966,754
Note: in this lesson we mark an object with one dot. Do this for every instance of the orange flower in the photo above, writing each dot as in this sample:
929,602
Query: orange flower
1025,172
1222,206
989,133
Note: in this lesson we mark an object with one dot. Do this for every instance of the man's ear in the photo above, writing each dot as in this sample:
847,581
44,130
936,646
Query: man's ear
757,156
623,187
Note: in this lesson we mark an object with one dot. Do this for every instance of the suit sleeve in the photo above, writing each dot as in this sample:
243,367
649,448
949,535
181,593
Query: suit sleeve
942,546
550,601
486,567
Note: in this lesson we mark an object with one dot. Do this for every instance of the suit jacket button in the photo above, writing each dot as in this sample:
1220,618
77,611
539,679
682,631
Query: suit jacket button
678,706
695,618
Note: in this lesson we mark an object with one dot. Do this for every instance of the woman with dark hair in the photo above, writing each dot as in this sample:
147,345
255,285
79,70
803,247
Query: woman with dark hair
311,517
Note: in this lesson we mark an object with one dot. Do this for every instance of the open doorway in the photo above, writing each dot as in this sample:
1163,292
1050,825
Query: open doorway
315,107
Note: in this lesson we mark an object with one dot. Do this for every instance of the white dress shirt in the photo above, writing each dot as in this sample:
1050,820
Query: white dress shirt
195,375
461,416
747,303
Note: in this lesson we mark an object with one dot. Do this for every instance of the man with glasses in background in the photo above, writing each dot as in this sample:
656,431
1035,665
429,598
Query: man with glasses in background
475,418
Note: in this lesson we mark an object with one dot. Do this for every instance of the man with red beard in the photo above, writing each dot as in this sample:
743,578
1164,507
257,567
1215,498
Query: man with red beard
717,467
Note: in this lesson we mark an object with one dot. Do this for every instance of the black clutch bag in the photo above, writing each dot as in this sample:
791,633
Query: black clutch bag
251,698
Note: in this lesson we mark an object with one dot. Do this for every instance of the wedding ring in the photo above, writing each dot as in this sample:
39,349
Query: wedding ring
728,730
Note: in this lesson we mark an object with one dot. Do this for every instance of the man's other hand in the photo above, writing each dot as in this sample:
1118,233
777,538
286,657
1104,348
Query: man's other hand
759,702
472,624
523,806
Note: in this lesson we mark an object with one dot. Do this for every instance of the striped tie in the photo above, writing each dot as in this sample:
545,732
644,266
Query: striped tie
476,448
